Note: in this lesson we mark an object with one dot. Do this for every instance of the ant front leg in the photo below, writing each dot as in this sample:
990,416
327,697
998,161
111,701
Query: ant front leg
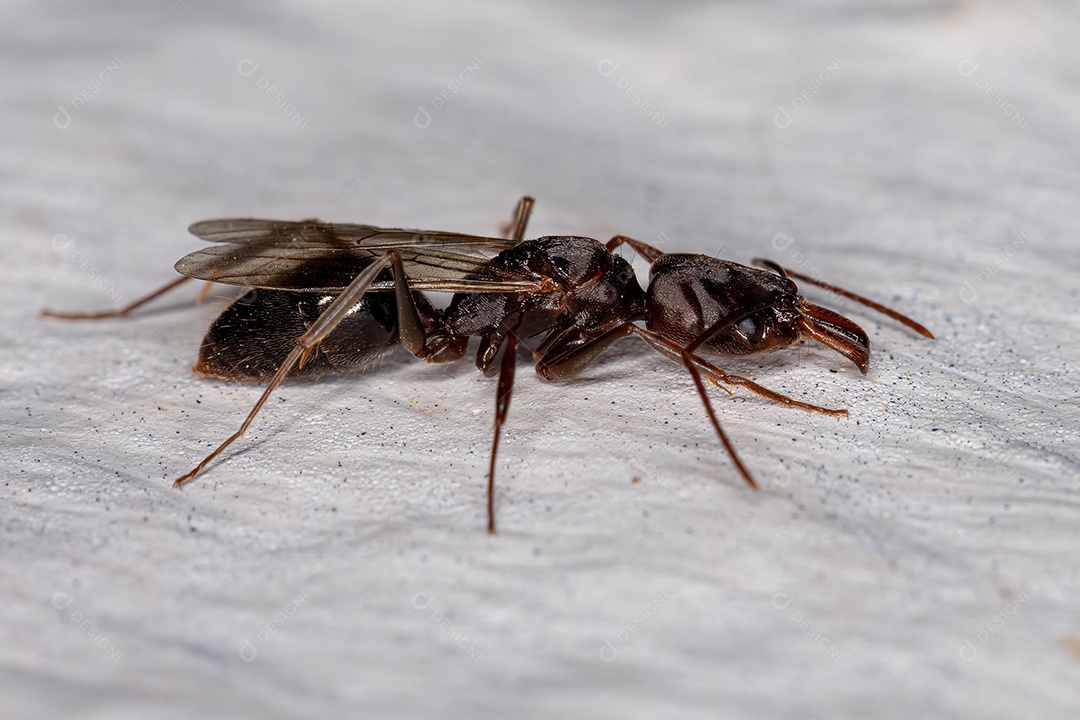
565,360
718,377
561,362
560,365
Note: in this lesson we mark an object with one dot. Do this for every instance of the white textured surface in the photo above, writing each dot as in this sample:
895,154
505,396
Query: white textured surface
947,504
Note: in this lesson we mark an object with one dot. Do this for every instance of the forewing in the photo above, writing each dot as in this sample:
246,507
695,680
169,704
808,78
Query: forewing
311,232
328,256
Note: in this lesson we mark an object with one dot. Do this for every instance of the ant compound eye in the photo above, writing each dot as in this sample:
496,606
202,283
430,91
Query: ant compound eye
747,327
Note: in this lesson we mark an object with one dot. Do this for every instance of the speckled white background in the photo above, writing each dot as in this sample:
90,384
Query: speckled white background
919,559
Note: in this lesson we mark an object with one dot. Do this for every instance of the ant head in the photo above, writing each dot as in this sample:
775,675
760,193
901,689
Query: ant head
689,294
828,327
749,310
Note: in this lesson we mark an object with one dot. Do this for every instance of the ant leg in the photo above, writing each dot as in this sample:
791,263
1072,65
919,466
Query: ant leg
650,253
515,230
410,326
502,407
205,292
305,345
119,312
719,377
691,362
558,364
571,362
696,377
414,308
580,356
688,355
761,262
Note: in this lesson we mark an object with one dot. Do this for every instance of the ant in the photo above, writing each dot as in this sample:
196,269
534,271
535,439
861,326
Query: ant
336,297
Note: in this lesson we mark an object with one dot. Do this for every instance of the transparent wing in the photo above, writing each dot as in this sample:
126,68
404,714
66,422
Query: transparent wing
312,232
316,256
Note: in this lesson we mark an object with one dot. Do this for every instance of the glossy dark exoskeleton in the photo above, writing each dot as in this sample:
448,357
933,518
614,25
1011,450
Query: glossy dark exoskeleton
254,335
336,297
593,290
689,293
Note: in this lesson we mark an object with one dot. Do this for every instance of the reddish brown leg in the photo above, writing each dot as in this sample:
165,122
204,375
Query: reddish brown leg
581,356
516,232
206,288
515,229
411,331
646,251
557,366
716,422
502,407
506,367
119,312
719,377
570,363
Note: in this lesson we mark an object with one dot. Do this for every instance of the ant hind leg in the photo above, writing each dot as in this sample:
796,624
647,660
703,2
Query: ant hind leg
647,251
515,229
118,312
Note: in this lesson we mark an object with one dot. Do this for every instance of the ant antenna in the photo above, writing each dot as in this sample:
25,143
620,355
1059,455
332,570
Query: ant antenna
899,317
